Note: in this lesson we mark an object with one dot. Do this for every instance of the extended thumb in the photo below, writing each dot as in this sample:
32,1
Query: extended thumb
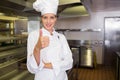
41,33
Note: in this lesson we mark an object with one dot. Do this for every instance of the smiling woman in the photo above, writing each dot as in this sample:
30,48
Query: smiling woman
48,52
48,21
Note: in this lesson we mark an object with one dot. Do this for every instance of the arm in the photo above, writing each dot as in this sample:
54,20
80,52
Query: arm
66,62
33,59
34,45
36,51
48,65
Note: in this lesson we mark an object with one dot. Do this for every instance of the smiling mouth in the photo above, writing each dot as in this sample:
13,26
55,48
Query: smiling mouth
48,25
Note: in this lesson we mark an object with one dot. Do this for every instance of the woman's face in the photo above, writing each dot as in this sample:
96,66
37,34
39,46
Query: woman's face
48,21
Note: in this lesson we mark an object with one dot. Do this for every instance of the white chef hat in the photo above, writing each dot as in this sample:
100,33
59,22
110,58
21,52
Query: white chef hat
46,6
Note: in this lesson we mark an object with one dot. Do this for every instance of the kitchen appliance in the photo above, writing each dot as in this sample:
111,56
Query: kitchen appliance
87,54
82,52
87,57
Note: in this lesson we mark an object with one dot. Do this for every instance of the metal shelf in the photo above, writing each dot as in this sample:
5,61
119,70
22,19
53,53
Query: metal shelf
79,30
5,64
4,48
17,75
5,29
5,38
12,52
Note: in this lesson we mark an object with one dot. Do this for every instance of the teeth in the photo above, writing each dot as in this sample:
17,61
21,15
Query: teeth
48,25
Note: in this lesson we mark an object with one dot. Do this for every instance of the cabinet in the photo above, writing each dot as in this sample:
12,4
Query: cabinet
87,56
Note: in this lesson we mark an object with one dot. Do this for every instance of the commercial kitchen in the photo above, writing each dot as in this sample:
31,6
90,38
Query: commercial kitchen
92,29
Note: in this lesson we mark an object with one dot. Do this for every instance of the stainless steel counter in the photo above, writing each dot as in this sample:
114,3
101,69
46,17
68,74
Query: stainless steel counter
83,54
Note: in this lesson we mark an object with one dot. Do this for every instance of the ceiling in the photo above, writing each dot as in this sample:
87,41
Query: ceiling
102,5
67,8
24,8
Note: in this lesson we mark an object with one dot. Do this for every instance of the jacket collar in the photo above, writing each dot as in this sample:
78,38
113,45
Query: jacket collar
47,32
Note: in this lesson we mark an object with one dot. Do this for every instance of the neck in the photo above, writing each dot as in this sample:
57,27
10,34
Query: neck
51,31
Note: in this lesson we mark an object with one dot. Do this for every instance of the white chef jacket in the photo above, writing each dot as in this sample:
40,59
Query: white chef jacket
58,53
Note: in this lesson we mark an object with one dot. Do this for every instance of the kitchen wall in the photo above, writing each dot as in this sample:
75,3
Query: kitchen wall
20,26
28,25
33,23
94,21
85,22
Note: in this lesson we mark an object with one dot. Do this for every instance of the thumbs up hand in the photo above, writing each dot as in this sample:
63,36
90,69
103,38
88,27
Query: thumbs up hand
43,41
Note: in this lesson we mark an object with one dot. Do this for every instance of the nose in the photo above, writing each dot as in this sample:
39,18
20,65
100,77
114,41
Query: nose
48,20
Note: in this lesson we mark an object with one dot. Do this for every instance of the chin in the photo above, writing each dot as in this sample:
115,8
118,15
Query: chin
49,28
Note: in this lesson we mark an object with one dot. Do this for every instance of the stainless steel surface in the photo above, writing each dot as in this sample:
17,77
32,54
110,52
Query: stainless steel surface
102,5
25,8
10,60
86,57
8,38
112,43
75,30
89,49
118,66
8,47
76,43
75,52
12,55
17,75
112,39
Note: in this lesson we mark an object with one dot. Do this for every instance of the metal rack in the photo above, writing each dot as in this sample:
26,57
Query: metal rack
12,54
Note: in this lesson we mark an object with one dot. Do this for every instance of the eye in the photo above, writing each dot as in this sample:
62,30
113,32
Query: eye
44,17
52,17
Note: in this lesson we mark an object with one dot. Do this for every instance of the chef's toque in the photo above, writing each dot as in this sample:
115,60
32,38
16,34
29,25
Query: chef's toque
46,6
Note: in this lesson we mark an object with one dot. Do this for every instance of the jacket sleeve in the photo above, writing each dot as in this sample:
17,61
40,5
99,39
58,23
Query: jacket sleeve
31,62
67,61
